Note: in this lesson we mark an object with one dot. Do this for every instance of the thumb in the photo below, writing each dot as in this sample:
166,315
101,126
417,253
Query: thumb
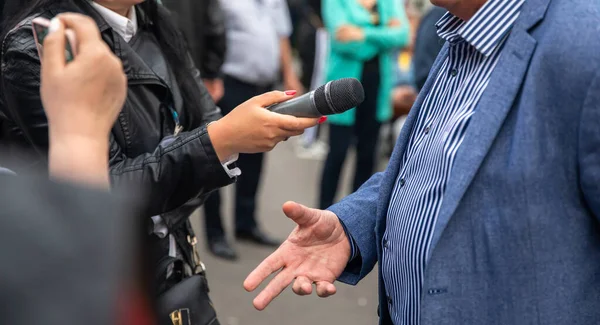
300,214
273,97
53,60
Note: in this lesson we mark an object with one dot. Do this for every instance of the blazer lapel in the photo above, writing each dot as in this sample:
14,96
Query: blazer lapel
491,111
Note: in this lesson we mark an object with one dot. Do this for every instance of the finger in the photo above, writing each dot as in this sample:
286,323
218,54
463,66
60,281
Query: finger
86,31
325,289
292,123
300,214
269,266
53,60
302,286
273,289
288,134
273,97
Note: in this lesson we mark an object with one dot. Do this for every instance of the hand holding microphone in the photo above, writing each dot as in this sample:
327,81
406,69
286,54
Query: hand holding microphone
250,128
260,123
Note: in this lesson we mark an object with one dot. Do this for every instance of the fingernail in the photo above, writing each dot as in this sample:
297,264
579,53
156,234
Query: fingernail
322,119
55,25
290,92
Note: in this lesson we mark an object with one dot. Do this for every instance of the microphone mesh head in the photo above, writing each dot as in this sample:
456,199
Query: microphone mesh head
339,96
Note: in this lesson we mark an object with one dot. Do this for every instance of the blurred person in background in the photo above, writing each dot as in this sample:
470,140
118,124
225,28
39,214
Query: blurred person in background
258,52
203,25
427,44
404,92
312,44
169,141
95,279
363,35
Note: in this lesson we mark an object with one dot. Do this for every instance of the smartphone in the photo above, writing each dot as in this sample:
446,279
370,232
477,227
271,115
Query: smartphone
40,28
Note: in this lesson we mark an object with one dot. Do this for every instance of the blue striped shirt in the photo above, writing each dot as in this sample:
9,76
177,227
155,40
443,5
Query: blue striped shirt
474,49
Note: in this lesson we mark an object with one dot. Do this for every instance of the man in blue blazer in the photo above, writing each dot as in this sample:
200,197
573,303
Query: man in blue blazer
488,212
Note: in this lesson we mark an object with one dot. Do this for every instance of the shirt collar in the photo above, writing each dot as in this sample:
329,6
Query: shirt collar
126,27
486,29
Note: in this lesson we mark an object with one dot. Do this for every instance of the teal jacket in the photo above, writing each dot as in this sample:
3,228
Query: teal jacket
346,59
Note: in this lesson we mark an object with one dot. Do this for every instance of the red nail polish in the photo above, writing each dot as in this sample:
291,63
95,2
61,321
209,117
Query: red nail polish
322,119
290,92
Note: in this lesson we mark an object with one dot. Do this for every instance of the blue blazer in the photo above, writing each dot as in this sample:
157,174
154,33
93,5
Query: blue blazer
517,241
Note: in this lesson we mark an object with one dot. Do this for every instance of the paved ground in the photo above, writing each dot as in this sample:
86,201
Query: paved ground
285,178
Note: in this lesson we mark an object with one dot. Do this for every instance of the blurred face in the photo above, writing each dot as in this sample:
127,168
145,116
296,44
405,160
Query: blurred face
464,9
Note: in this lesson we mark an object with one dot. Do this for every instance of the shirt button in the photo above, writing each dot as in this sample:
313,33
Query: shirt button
454,72
402,182
427,129
385,243
390,301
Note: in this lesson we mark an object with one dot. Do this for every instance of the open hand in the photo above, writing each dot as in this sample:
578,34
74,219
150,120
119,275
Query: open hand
316,252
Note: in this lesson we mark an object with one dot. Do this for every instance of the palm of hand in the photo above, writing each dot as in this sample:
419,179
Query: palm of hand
317,251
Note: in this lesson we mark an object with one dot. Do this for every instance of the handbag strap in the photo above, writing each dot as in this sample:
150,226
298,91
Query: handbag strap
188,244
163,267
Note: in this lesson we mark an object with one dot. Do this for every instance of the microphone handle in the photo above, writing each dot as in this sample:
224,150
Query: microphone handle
303,106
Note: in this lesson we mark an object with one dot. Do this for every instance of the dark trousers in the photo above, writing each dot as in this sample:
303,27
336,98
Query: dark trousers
246,187
364,133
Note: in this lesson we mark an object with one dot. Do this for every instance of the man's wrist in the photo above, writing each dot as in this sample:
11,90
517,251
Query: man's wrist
79,159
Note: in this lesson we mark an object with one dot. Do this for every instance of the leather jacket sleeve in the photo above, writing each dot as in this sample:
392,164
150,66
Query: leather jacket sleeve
178,170
21,87
179,166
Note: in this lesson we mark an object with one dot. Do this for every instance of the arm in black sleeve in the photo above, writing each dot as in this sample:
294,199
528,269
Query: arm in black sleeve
214,39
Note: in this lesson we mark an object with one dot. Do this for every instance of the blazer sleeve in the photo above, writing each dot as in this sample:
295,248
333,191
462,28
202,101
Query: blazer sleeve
334,16
358,213
387,38
589,147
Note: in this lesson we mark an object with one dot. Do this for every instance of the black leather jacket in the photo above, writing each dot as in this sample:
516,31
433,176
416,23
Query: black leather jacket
203,23
173,172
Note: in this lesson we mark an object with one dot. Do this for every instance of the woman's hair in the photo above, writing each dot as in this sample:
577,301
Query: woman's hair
169,37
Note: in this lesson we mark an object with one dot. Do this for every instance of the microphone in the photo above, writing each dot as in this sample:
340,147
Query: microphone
334,97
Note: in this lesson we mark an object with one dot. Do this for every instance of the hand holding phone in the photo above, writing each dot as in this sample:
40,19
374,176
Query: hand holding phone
81,99
41,27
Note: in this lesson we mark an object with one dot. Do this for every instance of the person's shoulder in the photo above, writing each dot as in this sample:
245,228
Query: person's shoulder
20,37
575,20
570,31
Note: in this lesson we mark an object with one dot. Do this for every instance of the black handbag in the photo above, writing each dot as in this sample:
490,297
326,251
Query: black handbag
185,302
